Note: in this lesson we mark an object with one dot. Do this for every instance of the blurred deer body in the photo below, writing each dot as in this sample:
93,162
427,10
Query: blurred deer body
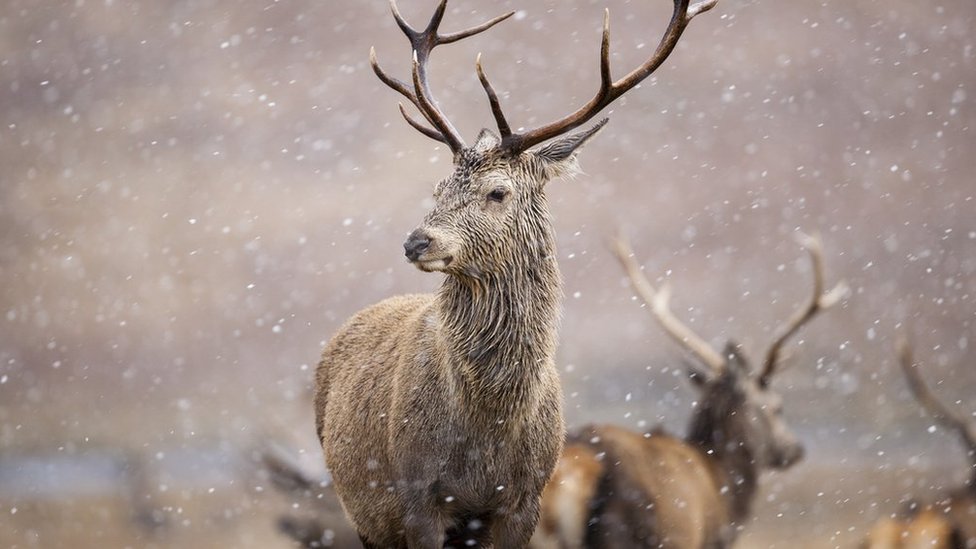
928,529
440,415
315,518
647,485
961,511
949,522
655,490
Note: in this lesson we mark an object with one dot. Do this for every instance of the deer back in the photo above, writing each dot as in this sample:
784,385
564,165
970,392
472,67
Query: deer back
928,529
959,509
632,490
569,498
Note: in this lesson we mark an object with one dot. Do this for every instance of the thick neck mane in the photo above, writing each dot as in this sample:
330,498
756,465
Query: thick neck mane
503,324
729,451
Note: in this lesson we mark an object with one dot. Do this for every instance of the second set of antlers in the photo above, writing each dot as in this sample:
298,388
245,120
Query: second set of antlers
419,94
952,421
658,301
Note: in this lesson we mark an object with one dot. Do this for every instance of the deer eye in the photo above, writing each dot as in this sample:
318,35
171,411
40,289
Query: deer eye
497,195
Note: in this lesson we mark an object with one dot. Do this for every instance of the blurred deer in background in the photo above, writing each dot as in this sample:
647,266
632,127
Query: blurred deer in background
618,488
316,519
949,522
440,415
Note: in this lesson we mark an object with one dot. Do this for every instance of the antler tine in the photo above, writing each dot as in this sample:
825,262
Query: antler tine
818,302
399,86
435,20
606,78
423,42
610,90
496,108
286,475
454,37
658,301
701,7
401,22
451,136
433,134
431,31
928,401
395,83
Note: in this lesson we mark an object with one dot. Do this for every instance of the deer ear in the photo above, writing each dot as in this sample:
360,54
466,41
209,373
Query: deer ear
697,375
486,141
559,156
734,359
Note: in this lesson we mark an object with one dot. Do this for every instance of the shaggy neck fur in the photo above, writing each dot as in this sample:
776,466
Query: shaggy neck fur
712,429
503,324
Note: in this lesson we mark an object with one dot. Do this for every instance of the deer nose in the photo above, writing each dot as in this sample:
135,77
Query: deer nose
792,455
416,244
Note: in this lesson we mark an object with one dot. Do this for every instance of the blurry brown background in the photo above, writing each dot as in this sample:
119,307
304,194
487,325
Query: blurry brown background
195,194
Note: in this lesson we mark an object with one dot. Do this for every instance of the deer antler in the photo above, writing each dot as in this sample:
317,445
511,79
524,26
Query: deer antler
818,302
423,42
609,90
931,404
657,300
287,475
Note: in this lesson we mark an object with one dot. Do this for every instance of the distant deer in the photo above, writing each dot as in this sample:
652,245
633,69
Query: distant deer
440,415
950,521
618,488
317,520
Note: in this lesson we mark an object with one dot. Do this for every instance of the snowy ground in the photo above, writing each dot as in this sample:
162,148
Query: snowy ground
212,496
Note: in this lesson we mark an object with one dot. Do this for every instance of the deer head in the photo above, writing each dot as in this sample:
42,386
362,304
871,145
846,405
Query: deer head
493,205
750,414
737,402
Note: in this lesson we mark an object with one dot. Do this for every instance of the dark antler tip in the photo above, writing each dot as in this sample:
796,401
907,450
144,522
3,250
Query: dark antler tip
480,69
435,20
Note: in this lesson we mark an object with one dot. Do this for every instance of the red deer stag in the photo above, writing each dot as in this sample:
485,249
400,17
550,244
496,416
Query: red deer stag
440,415
618,488
949,522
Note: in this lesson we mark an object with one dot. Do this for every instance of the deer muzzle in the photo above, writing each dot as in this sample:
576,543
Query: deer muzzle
417,243
790,455
427,251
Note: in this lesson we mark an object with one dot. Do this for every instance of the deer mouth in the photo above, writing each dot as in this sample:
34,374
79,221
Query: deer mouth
788,457
433,265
